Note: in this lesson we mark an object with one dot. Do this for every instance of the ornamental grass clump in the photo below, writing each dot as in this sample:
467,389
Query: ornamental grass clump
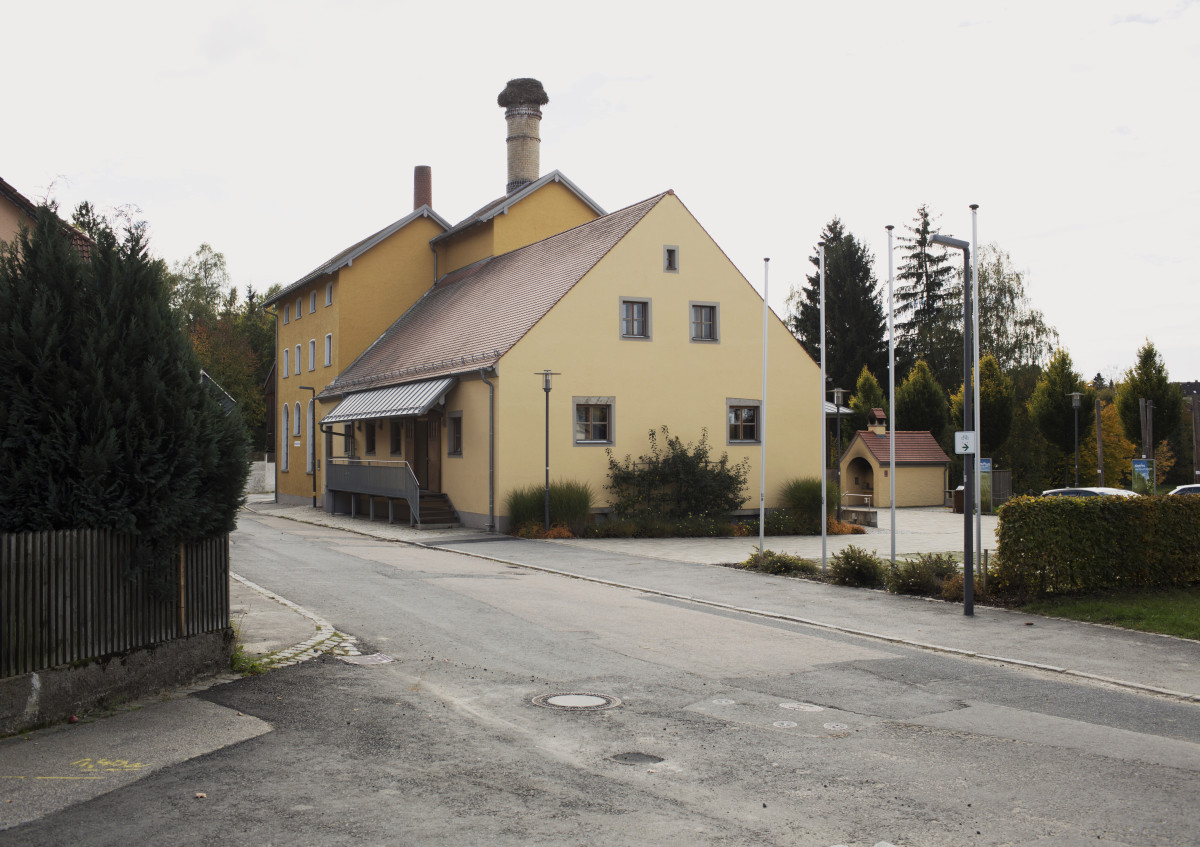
802,497
857,567
570,508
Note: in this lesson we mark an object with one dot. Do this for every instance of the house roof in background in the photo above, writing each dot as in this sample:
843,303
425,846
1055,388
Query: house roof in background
347,256
912,447
473,316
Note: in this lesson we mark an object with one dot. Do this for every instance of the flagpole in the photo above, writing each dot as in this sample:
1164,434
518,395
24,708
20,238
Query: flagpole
821,406
891,394
762,421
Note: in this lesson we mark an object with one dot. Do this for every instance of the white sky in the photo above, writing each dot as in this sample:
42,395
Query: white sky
281,133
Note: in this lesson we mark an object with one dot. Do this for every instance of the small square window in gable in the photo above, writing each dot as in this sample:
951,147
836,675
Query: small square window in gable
670,258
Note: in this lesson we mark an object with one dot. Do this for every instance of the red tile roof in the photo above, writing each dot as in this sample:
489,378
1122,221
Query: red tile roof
473,316
912,448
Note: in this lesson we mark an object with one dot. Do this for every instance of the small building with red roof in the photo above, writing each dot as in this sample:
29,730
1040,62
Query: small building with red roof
922,467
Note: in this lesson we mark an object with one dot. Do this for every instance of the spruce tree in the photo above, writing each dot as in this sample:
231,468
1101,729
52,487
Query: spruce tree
855,328
929,303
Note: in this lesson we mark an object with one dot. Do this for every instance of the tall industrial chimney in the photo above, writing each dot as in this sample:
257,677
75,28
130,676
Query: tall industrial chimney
522,100
422,187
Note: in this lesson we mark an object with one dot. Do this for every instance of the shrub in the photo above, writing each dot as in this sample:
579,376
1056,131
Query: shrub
924,575
837,527
1050,545
952,588
857,567
779,564
676,481
570,506
802,497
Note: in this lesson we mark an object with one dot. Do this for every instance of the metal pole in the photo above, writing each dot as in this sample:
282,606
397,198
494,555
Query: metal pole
546,388
891,396
837,402
1077,443
1099,448
968,423
822,431
975,345
762,423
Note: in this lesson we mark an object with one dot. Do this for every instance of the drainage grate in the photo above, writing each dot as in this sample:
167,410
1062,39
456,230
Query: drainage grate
373,659
636,759
576,702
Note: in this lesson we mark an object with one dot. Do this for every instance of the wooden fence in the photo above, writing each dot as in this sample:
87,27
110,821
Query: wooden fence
68,595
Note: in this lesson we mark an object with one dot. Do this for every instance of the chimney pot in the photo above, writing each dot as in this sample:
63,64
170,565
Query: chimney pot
422,187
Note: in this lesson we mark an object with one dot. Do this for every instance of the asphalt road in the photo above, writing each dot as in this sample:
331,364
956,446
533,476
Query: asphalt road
731,729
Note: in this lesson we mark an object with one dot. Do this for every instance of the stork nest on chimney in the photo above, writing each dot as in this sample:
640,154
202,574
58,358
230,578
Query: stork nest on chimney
523,92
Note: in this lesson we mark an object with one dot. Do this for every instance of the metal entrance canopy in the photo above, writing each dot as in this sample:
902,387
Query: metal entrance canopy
397,401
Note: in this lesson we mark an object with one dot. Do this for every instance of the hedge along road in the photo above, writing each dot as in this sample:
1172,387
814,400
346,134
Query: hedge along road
731,728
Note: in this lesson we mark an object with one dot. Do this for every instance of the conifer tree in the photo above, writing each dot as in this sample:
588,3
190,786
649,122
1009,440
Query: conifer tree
921,402
1052,409
995,405
1148,378
855,329
929,303
868,395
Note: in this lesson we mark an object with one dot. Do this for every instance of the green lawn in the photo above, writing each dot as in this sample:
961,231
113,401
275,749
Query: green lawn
1170,612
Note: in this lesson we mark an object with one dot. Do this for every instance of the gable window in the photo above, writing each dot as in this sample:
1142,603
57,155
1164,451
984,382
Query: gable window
704,321
329,294
454,434
312,302
635,318
312,354
297,360
397,438
328,350
286,363
593,419
670,258
744,423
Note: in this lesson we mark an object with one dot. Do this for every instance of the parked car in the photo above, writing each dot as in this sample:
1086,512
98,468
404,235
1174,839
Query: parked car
1186,489
1088,492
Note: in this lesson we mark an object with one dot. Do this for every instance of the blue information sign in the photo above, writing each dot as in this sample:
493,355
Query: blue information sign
985,465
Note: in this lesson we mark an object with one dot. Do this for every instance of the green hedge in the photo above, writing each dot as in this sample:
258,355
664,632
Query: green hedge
1051,545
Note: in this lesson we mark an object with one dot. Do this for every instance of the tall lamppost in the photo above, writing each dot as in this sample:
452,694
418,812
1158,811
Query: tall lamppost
546,375
1075,400
839,395
968,422
312,441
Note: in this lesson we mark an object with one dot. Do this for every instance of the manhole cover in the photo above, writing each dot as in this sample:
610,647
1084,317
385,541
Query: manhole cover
723,701
785,724
836,727
373,659
576,702
801,707
636,759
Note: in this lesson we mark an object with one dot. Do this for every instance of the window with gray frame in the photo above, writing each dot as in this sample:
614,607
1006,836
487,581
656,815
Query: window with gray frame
670,258
635,318
743,417
454,434
705,326
593,420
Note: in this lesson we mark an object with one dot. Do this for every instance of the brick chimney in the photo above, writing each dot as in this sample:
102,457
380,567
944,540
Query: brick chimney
422,187
522,100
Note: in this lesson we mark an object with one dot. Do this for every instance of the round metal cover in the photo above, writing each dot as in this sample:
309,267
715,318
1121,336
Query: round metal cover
723,701
836,727
802,707
576,701
785,724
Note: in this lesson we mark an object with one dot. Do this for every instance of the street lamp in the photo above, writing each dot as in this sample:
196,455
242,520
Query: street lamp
1075,398
312,442
546,375
968,421
839,395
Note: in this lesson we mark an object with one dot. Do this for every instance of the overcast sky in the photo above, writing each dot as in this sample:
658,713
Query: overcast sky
281,133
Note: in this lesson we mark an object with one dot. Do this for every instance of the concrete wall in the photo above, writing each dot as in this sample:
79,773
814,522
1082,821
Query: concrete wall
51,696
261,479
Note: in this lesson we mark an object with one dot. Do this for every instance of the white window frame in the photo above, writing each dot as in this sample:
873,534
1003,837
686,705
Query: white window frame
577,426
732,403
329,294
298,360
716,321
312,354
647,320
312,301
284,439
296,422
328,349
287,314
299,307
287,362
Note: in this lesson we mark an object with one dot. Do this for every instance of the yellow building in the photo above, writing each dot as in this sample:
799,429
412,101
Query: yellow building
640,316
922,468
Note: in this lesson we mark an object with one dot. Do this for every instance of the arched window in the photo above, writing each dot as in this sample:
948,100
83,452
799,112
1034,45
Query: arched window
296,421
283,440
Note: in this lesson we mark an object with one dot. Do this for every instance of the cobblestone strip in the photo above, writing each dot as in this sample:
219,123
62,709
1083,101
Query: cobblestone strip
327,639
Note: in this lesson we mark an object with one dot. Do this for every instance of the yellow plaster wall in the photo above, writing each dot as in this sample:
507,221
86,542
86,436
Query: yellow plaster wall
11,219
916,485
667,380
465,477
551,209
466,247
